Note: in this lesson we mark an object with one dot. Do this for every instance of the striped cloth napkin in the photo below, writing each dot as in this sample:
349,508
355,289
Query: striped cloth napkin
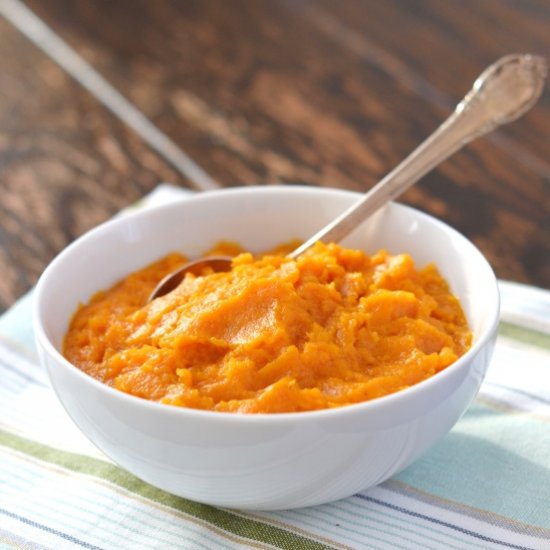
485,485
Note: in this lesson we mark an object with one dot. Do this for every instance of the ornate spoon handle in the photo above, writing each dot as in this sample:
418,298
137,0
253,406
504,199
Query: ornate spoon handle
502,93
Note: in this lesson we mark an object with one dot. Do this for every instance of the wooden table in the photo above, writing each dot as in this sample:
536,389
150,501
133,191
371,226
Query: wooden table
240,92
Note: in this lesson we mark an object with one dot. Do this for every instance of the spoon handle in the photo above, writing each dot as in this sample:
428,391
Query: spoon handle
502,93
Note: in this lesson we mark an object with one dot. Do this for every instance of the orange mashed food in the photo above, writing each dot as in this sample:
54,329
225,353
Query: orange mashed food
333,327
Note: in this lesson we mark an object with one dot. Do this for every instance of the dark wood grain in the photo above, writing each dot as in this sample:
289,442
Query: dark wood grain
453,42
277,91
66,164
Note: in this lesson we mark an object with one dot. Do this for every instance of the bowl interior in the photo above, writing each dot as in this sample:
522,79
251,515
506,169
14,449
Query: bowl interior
258,218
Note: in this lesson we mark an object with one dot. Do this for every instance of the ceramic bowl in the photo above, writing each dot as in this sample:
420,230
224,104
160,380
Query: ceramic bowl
262,462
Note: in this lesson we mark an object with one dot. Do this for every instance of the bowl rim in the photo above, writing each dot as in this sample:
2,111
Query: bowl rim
43,341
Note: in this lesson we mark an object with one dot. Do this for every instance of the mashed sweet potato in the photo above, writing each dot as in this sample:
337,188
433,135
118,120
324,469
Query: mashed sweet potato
333,327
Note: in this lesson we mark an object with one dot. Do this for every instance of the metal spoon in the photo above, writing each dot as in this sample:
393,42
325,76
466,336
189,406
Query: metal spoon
502,93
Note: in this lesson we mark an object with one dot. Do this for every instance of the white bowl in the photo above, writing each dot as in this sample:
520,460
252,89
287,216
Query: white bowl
262,461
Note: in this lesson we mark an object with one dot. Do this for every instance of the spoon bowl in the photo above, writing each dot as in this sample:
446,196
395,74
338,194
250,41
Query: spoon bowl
172,280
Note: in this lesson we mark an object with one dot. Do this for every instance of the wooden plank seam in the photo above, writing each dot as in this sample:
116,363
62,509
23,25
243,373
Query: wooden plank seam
22,18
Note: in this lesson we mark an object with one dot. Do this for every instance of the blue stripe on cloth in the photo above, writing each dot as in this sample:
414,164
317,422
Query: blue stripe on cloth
531,395
367,514
24,375
60,534
491,519
490,461
343,528
90,494
442,523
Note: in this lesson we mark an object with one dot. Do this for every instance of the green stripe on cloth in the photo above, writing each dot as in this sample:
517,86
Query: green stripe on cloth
525,335
232,523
